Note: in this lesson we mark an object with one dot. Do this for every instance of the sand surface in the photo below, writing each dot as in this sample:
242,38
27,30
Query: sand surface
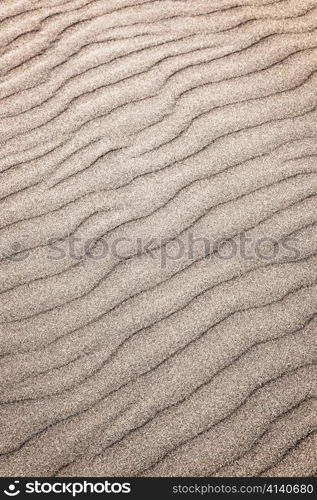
132,133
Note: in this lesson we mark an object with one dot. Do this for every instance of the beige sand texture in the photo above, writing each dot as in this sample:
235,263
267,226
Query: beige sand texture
128,121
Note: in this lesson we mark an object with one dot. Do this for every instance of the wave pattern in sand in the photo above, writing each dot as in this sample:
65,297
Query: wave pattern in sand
158,122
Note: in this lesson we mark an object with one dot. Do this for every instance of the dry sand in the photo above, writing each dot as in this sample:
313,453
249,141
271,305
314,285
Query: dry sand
128,121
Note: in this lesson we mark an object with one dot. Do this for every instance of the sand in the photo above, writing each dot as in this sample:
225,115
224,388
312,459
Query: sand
158,266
